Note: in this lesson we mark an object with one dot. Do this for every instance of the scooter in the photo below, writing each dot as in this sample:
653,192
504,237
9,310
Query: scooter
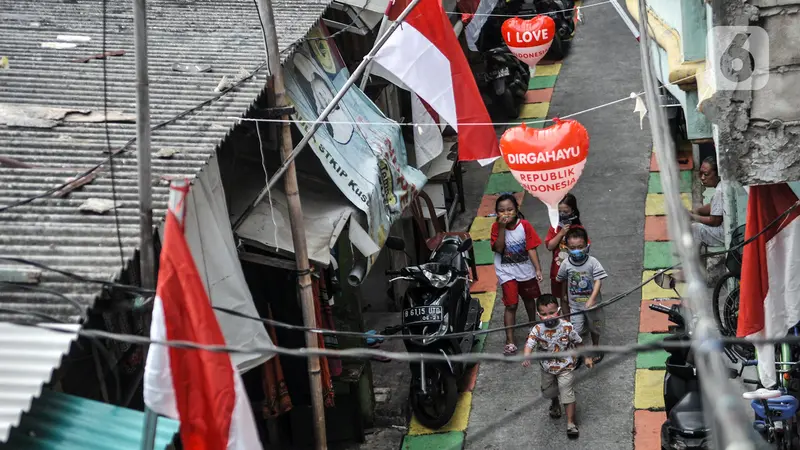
685,427
561,11
503,81
436,305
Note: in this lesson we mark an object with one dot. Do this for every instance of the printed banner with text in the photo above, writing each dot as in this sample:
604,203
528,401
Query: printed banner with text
361,149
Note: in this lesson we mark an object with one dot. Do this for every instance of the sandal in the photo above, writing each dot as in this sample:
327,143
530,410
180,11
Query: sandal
510,350
597,359
555,411
572,431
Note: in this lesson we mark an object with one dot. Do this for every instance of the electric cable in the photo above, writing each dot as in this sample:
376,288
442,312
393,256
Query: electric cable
124,147
366,353
440,124
531,14
108,137
323,331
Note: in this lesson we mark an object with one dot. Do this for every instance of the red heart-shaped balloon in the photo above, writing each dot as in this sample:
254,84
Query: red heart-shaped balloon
547,162
529,40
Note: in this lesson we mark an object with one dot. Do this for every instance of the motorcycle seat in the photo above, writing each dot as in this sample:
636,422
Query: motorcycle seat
780,408
687,415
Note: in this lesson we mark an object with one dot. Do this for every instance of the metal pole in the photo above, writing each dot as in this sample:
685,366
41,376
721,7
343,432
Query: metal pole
721,403
296,222
368,69
339,95
146,250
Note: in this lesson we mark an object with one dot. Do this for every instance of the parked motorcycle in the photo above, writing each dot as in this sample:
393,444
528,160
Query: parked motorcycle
685,427
437,304
561,11
503,80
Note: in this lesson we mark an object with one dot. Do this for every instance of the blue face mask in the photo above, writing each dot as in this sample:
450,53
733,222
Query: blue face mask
578,254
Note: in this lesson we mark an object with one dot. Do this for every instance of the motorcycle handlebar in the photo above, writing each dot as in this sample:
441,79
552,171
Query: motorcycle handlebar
750,362
660,308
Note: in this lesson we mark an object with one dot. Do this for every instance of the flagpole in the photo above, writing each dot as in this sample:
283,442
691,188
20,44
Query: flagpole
381,31
296,221
146,250
290,157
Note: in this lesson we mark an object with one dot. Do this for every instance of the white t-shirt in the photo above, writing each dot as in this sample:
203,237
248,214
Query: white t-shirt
514,263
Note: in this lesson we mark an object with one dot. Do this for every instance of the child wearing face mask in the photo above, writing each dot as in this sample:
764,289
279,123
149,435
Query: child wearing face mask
582,277
569,217
555,336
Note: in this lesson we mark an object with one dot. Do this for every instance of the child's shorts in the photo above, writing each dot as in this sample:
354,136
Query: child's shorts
559,385
513,290
589,322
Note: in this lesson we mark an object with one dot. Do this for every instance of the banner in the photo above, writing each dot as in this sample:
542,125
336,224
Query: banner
361,149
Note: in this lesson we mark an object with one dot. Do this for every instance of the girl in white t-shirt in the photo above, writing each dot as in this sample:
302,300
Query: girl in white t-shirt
516,262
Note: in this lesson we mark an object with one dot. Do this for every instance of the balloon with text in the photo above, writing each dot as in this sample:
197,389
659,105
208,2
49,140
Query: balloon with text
547,162
529,40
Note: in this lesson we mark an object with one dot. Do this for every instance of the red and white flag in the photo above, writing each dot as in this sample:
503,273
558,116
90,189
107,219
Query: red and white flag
769,294
202,389
424,56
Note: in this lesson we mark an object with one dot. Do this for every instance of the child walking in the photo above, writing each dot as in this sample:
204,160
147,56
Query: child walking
582,276
516,262
555,336
569,217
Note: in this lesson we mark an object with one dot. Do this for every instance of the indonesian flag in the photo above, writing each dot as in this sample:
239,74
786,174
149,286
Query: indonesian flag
202,389
769,296
424,56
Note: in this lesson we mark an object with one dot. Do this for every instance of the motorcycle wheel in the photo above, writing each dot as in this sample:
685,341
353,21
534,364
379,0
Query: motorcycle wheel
436,407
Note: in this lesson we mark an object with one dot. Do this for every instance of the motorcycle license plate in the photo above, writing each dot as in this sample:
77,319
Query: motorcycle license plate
422,314
495,74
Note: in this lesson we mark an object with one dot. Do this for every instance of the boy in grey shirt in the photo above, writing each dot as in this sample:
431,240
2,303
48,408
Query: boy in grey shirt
583,275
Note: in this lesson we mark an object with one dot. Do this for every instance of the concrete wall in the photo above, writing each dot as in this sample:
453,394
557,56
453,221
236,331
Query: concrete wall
759,131
678,51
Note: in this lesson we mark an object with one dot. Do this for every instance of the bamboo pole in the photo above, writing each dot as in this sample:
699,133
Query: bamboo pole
297,223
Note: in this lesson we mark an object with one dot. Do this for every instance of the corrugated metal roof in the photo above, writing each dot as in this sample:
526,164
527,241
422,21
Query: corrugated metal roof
224,34
64,422
28,356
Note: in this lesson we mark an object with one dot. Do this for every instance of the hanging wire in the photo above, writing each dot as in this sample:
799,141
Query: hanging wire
126,146
605,2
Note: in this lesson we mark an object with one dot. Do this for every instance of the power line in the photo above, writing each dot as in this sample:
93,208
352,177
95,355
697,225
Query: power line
288,326
531,14
124,148
366,353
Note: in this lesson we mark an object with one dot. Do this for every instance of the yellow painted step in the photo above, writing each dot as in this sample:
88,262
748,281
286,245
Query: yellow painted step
649,390
457,423
487,300
655,205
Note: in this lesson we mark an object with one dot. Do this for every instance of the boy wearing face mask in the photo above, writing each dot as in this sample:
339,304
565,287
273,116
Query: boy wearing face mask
582,277
554,336
569,217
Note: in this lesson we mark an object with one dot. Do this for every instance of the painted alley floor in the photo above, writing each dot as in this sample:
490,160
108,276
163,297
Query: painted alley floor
501,406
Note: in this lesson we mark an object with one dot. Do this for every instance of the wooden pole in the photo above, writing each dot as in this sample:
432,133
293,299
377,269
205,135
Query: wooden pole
296,221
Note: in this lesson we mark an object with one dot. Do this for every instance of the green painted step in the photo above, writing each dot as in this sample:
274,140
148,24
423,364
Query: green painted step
658,255
483,253
453,440
502,182
529,123
654,184
542,82
654,359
